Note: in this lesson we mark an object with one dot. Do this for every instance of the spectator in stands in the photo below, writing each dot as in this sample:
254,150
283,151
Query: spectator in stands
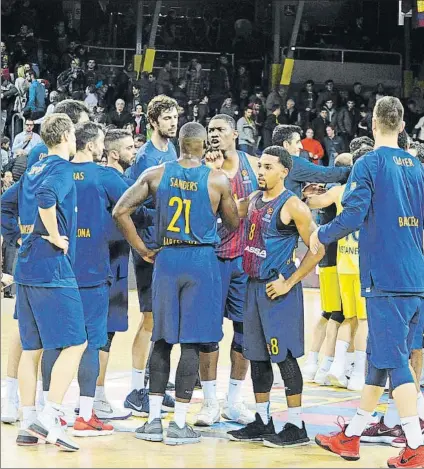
334,145
36,104
343,98
307,102
5,62
271,121
6,181
5,151
331,112
258,96
376,95
122,84
119,117
26,140
229,108
291,115
241,80
313,147
179,94
203,108
92,74
182,117
147,85
98,114
411,116
196,82
347,121
139,141
417,96
274,98
69,55
165,80
365,122
357,96
8,97
91,100
219,86
247,133
258,116
135,99
329,93
72,80
139,121
243,99
319,125
418,132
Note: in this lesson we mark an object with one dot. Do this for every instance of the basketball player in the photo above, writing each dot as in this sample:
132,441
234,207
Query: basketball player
188,196
48,303
238,166
391,248
273,321
163,117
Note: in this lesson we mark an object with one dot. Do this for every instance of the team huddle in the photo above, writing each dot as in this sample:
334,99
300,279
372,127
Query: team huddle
213,235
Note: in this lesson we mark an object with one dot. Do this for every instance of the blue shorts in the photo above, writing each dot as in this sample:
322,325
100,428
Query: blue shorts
272,327
95,302
50,318
187,305
417,343
392,324
234,281
117,320
143,277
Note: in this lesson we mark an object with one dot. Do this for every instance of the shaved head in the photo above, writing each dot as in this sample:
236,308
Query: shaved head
192,138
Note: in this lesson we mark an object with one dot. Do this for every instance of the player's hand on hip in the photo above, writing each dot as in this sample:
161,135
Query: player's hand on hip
314,242
278,287
61,242
149,255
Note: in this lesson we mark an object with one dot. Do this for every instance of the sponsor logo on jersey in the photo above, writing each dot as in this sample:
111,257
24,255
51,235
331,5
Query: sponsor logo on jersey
258,252
245,176
37,169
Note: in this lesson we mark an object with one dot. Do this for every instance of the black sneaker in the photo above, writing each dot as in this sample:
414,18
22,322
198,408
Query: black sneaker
290,435
254,431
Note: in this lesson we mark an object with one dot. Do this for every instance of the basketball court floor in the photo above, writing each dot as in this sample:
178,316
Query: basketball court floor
321,405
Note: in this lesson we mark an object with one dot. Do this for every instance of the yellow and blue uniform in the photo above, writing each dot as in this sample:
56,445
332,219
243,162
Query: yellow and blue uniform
348,272
49,306
186,269
384,199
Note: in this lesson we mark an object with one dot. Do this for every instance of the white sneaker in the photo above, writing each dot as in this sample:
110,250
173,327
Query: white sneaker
238,412
336,376
356,382
309,371
10,412
349,370
209,413
321,377
105,411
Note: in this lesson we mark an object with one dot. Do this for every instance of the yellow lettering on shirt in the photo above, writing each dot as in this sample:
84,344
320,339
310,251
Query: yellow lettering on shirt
410,222
403,161
170,241
183,185
79,176
26,229
83,233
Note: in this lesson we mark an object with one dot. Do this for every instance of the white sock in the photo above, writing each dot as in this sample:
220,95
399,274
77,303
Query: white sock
137,379
155,404
391,417
86,407
29,415
350,358
313,358
359,422
412,429
180,413
209,389
234,391
341,352
295,416
45,396
100,394
420,405
360,362
12,389
51,408
262,408
326,363
40,394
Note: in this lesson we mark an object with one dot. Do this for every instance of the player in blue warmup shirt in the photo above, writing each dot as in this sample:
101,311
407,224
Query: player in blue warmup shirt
48,303
188,196
385,200
163,117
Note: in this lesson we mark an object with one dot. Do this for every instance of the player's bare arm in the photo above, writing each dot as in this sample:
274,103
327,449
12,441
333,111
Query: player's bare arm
243,204
324,200
49,219
297,211
227,207
253,163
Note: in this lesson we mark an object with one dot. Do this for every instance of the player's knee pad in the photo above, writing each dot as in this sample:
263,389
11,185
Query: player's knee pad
375,376
209,347
326,315
187,371
401,375
338,316
237,344
160,366
106,347
262,376
292,376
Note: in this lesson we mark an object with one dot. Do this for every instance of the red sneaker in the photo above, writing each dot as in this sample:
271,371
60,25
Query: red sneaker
346,447
92,427
408,457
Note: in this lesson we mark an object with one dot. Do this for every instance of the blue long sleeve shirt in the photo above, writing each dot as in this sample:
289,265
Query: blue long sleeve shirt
384,199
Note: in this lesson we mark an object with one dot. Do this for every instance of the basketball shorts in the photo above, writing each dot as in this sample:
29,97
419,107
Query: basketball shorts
187,298
329,289
143,277
272,327
393,322
417,343
50,318
354,305
234,282
117,319
95,302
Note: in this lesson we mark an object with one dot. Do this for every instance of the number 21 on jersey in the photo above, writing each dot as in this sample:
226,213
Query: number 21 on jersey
181,205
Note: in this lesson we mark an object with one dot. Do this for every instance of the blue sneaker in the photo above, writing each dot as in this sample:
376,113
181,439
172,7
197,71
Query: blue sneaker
168,404
138,402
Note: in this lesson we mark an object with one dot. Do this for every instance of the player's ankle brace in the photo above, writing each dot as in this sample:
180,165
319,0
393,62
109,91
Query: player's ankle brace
160,366
188,368
262,376
237,344
375,376
106,347
292,376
